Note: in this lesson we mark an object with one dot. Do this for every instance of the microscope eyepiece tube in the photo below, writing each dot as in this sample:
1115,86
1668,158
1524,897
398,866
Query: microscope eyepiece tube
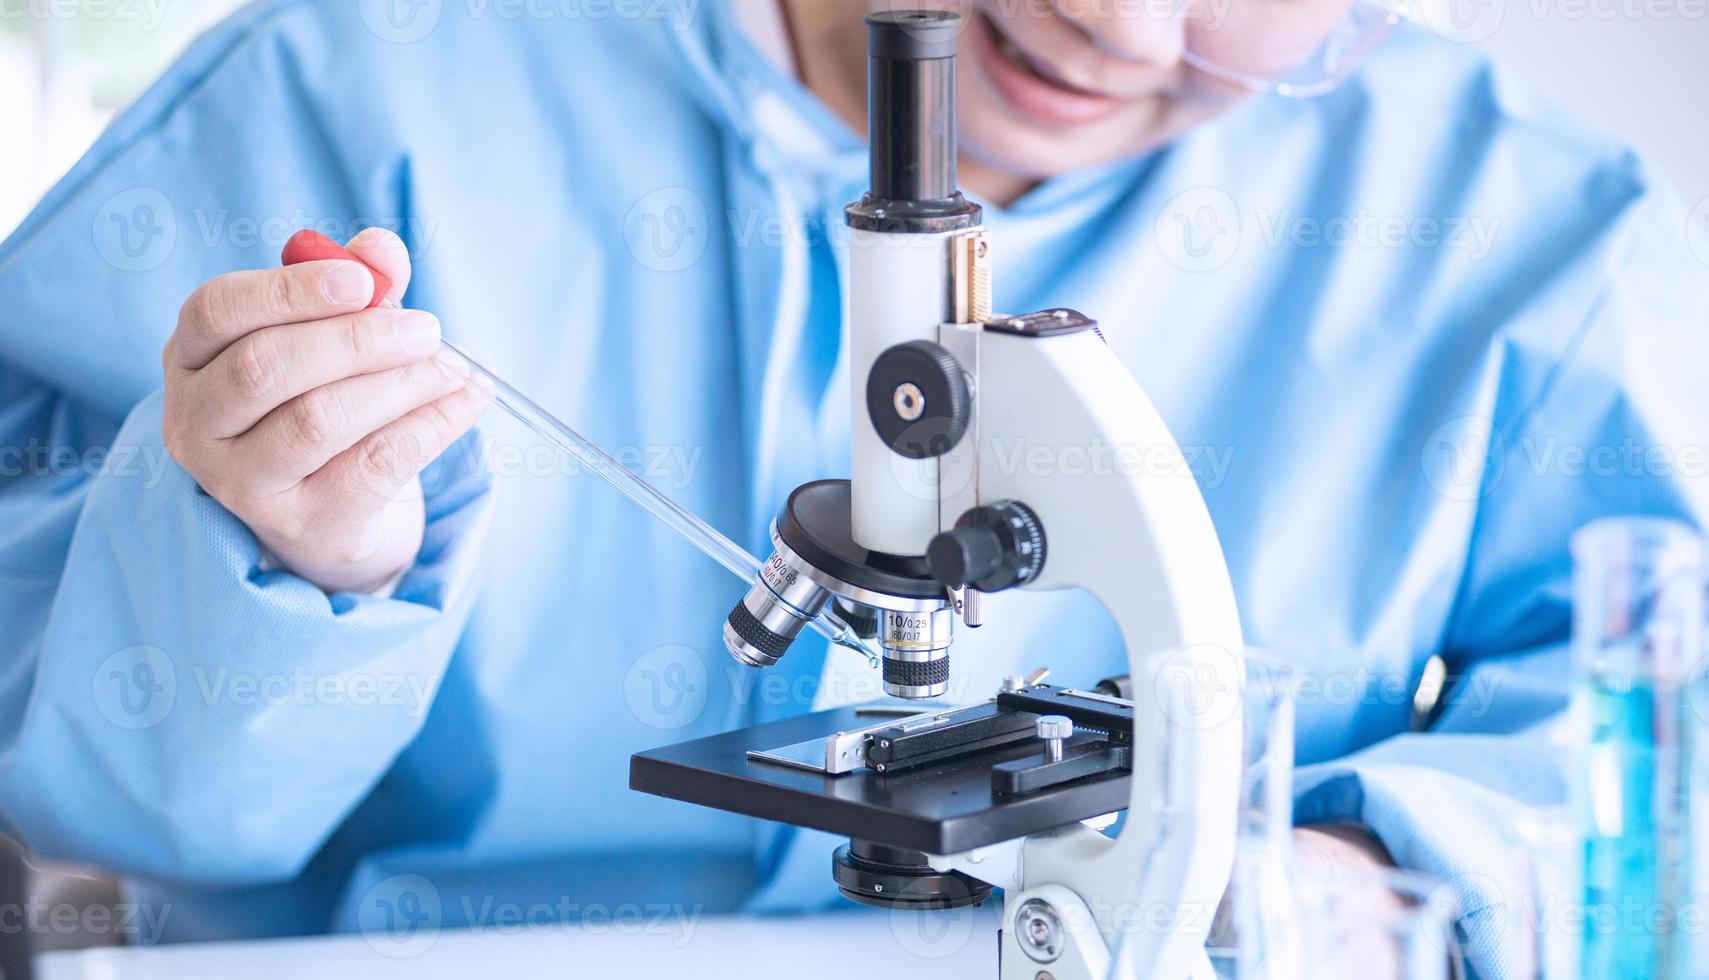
911,125
911,104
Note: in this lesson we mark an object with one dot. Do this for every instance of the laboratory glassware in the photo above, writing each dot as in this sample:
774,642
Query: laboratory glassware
1262,909
1638,610
1377,922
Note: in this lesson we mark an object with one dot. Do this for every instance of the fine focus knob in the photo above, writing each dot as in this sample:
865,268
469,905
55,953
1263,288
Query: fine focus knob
992,548
966,554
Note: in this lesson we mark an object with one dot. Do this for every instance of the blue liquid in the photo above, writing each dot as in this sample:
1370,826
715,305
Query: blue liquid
1634,841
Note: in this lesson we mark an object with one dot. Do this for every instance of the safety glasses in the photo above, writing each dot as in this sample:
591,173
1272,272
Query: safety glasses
1294,48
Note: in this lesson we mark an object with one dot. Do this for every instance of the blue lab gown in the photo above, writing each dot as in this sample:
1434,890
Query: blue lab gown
1412,334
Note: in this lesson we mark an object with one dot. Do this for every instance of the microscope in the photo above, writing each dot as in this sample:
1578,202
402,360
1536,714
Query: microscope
943,805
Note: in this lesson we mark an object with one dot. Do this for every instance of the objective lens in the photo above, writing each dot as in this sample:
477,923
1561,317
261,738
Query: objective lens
773,613
916,652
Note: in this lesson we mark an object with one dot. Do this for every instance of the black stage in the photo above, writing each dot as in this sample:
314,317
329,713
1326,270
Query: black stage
939,808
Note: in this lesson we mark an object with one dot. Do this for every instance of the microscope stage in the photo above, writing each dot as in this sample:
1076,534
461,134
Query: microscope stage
941,808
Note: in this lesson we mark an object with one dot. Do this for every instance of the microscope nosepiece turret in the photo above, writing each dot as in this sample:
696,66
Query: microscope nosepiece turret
814,558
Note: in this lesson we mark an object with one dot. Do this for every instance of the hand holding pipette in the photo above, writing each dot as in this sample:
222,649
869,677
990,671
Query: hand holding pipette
307,246
309,416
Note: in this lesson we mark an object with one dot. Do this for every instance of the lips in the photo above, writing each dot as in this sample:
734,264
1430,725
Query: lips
1032,88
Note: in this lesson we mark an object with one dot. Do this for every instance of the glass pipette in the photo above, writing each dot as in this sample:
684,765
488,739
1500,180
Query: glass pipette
307,245
704,536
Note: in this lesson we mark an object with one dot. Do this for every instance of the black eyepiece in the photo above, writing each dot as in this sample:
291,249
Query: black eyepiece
911,123
913,35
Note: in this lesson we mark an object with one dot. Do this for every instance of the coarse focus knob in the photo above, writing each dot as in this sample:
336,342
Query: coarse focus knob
919,400
1054,727
992,548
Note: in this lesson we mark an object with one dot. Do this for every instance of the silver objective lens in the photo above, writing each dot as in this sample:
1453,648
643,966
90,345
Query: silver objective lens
773,613
916,652
913,624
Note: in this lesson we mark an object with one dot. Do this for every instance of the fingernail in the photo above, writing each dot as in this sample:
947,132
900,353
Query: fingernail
348,284
417,331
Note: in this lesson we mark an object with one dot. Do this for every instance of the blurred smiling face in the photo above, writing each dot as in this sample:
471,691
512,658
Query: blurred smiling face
1049,86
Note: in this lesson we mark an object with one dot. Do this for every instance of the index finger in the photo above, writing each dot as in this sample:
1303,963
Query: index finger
231,306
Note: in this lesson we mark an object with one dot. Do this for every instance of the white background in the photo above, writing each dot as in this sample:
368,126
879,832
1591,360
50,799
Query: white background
1637,68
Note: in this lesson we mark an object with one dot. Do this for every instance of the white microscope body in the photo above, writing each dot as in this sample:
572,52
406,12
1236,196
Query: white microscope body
1144,545
940,385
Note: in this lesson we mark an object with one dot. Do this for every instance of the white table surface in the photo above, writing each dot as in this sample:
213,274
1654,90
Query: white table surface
858,944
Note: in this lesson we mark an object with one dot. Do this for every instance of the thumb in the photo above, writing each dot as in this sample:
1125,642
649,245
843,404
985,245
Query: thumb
386,253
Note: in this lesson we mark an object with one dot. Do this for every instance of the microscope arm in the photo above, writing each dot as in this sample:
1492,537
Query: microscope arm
1143,543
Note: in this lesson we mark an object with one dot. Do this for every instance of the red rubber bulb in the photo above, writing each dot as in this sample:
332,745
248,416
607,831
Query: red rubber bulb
312,246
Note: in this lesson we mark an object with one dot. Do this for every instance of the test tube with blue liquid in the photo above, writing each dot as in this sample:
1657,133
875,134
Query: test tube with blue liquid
1638,611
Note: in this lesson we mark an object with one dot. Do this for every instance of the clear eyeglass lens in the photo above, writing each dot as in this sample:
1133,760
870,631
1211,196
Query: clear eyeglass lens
1293,48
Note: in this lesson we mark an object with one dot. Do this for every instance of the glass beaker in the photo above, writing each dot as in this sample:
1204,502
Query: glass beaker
1547,847
1362,923
1261,911
1249,695
1637,638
